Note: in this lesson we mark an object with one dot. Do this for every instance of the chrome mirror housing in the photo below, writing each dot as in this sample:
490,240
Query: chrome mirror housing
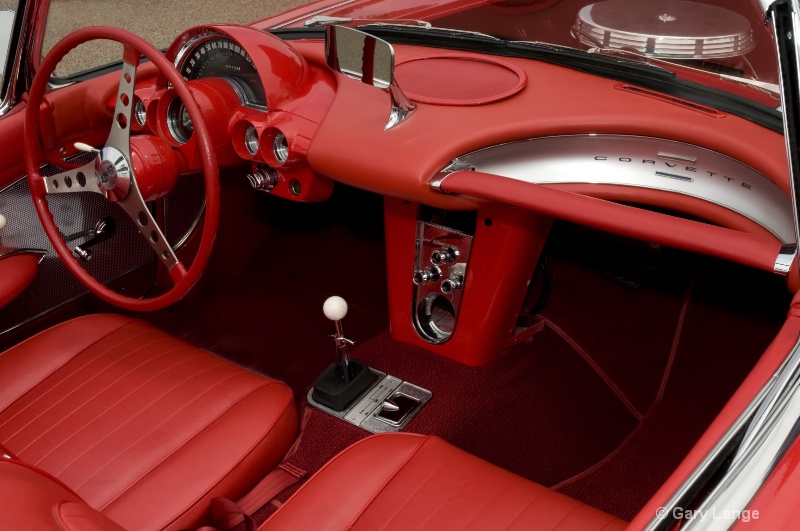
370,60
6,30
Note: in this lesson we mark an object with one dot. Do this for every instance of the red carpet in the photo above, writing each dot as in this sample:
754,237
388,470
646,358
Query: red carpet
584,406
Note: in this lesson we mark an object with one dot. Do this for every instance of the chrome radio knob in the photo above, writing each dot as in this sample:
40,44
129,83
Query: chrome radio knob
450,285
432,274
444,256
263,180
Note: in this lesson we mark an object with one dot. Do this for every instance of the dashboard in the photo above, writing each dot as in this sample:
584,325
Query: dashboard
276,105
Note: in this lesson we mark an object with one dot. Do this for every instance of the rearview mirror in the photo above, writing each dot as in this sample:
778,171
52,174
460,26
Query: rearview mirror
370,60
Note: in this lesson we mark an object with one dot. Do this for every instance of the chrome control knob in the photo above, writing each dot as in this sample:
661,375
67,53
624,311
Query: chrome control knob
450,285
432,274
444,256
263,180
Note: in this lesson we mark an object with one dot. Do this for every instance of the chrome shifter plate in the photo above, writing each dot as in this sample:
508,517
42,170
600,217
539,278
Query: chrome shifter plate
365,410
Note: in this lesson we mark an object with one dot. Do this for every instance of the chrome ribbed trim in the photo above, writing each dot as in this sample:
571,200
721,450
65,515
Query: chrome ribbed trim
675,30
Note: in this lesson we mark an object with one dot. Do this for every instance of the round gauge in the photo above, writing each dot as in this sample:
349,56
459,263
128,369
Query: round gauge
213,55
178,121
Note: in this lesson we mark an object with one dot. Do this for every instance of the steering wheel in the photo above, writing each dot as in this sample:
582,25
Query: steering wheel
123,170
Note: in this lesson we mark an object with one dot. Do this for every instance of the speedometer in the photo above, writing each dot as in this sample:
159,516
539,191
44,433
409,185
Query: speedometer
214,55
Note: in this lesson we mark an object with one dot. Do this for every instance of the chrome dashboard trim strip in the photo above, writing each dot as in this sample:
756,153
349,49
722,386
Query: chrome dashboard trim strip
785,258
21,49
683,496
313,13
639,162
5,252
766,439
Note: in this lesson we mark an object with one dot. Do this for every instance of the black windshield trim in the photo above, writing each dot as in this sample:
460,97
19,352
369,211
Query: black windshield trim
626,71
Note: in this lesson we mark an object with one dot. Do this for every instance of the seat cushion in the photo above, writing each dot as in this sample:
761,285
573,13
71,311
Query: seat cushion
405,481
142,426
35,502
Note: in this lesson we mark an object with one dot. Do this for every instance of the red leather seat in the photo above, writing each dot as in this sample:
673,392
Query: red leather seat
405,481
35,502
141,426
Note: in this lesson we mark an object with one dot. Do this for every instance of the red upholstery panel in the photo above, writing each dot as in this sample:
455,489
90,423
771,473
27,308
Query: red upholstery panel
144,427
17,271
406,481
34,502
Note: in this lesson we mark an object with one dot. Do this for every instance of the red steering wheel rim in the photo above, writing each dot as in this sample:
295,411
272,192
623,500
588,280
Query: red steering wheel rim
183,279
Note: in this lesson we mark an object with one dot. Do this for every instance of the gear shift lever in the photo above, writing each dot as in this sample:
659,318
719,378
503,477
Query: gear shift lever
347,379
335,309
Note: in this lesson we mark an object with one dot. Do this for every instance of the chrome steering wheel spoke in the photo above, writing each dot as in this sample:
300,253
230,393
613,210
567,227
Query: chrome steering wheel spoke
83,179
120,134
115,163
137,210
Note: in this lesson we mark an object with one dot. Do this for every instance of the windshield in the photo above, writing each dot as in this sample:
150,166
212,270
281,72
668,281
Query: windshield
722,43
158,22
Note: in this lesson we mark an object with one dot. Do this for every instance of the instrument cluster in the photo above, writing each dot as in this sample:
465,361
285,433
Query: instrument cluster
251,87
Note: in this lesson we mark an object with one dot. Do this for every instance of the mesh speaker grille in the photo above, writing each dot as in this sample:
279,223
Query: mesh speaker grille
126,251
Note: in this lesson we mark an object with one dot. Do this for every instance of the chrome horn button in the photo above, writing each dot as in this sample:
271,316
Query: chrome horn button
113,172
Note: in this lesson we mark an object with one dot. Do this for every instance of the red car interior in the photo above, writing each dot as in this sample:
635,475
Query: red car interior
663,315
418,482
129,417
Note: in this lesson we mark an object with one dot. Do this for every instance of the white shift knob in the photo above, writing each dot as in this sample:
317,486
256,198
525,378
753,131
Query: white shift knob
335,308
3,224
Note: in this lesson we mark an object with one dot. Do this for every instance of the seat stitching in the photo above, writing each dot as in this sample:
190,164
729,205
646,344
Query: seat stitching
67,376
58,369
412,494
543,492
89,400
611,520
289,403
352,448
55,370
85,383
112,406
466,480
130,419
190,438
489,502
571,510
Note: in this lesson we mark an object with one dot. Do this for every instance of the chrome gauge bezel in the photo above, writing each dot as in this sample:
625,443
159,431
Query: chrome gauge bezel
175,123
280,147
140,112
251,140
197,40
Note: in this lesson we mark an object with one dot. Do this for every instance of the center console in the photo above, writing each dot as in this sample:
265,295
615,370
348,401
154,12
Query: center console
457,289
